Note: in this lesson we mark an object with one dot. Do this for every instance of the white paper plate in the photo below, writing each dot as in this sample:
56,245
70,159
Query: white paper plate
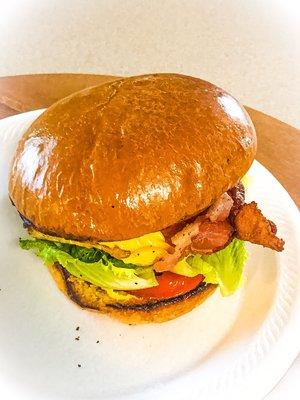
235,347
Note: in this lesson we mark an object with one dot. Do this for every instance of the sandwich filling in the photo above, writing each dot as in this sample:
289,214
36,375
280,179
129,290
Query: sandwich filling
208,248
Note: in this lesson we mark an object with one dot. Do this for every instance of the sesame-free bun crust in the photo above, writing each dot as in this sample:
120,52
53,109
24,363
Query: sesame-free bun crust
129,157
134,311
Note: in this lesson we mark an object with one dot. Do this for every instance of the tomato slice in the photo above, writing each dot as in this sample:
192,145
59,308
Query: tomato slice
169,285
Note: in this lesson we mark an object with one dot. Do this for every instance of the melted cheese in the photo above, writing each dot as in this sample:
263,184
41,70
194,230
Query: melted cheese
155,239
144,250
145,255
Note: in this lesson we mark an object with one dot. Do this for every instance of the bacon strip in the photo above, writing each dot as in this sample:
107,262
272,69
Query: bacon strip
183,238
212,236
237,193
227,204
171,230
220,210
212,230
168,261
182,241
202,236
252,226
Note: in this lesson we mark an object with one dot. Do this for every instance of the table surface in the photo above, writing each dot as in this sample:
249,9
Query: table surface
279,149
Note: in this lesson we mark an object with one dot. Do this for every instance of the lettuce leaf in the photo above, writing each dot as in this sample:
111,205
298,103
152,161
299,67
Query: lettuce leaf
224,267
93,265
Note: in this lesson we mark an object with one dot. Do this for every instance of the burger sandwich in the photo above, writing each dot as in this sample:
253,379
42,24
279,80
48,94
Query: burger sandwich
132,194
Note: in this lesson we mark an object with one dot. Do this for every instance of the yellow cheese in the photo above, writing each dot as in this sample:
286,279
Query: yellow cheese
144,250
155,239
145,255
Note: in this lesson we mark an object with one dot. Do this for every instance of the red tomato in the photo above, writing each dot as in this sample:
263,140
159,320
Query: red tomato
169,285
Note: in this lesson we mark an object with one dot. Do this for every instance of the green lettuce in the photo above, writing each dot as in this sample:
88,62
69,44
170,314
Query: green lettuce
93,266
224,267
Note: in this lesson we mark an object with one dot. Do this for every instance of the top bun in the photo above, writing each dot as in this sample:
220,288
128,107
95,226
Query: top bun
129,157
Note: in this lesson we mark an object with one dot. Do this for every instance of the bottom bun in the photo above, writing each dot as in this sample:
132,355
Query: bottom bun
133,311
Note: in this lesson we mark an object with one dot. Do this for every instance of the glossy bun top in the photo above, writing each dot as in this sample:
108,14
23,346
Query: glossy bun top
130,157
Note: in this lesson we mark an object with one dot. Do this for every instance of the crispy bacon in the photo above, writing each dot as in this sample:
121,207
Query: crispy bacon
252,226
182,241
202,236
213,229
168,261
172,230
229,202
237,193
183,238
212,236
220,210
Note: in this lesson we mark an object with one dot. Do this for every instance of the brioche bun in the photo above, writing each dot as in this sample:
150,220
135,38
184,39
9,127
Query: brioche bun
134,311
129,157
